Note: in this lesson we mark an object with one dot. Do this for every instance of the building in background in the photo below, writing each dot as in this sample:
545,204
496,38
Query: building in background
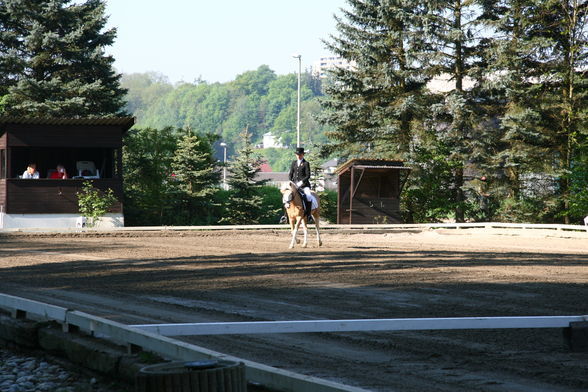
320,67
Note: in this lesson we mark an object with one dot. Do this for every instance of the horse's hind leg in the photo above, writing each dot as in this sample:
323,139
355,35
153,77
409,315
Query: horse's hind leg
316,227
305,230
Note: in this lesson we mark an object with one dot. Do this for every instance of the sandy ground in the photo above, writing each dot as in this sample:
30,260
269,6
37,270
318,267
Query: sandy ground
156,277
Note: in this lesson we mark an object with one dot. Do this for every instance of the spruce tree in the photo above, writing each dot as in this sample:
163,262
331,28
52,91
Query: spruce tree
52,61
195,178
455,37
373,104
245,202
541,61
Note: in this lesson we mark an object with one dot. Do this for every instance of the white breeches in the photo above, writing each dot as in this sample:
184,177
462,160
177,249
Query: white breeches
310,197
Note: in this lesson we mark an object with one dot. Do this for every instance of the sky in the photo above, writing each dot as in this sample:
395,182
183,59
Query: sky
216,40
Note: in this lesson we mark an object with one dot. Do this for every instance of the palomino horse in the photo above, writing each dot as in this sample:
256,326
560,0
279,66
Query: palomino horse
295,210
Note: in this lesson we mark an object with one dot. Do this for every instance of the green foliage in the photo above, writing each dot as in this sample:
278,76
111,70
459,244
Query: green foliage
258,99
93,203
53,61
171,178
245,204
195,179
428,195
516,111
328,207
279,159
271,199
147,160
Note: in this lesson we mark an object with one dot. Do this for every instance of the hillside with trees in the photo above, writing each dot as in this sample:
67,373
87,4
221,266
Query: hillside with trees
258,100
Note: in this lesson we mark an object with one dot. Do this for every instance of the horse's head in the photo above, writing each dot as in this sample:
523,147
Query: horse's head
288,190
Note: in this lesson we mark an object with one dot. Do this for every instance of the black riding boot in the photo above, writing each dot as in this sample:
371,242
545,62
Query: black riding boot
307,208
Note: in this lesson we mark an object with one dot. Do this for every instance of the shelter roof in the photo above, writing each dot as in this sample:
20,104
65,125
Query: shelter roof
371,164
124,122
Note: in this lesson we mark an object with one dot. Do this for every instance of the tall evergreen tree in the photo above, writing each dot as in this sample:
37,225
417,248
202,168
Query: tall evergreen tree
53,62
245,201
374,103
542,62
455,36
196,177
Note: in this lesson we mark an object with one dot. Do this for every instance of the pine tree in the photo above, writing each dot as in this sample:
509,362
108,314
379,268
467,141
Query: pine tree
245,202
455,38
52,61
541,61
373,104
382,108
196,177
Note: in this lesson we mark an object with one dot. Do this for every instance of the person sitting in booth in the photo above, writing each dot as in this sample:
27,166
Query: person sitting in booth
59,173
31,172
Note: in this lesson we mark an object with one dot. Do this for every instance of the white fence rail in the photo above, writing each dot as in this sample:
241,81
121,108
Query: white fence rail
277,379
410,324
391,227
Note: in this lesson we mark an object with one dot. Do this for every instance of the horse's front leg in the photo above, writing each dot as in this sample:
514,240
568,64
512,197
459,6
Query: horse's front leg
294,226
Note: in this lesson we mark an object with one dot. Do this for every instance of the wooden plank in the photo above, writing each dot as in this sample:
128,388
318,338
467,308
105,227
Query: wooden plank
46,196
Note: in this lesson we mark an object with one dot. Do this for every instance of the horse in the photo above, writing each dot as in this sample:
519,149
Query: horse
295,211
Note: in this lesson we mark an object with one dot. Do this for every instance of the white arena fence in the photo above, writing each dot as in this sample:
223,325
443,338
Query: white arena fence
326,226
153,337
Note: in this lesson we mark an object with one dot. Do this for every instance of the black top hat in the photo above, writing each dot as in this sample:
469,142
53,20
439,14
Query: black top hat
299,150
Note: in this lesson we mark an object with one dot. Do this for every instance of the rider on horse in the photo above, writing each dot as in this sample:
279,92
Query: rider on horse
300,175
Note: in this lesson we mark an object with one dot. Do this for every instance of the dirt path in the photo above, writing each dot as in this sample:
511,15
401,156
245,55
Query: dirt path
244,276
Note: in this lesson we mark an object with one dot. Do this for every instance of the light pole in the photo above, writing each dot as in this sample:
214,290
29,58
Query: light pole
299,57
224,146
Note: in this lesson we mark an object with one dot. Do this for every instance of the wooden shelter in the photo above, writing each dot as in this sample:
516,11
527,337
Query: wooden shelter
49,142
369,191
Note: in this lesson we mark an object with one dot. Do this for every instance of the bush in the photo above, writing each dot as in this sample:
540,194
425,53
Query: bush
328,205
93,203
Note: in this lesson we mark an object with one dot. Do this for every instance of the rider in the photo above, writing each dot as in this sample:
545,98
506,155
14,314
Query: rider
300,175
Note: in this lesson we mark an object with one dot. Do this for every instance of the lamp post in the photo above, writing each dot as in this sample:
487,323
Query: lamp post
299,57
224,146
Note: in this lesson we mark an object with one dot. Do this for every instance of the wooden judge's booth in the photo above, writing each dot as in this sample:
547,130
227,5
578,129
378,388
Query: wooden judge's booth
369,191
90,149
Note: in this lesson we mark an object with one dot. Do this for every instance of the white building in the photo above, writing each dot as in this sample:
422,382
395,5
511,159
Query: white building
270,141
320,67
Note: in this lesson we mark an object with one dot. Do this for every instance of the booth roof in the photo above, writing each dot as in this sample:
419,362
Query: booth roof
125,122
371,164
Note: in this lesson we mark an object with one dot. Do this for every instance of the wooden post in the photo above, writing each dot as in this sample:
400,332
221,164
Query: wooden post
351,186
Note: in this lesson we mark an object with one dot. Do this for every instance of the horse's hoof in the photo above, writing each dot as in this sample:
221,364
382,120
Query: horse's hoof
291,246
304,245
320,243
297,241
